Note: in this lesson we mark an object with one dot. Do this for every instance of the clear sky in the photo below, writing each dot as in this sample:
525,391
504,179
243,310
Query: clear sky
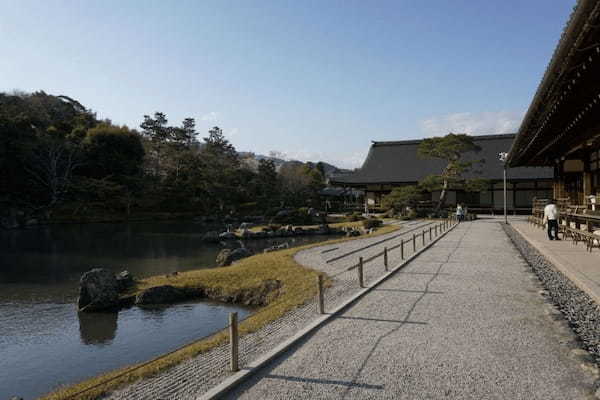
316,80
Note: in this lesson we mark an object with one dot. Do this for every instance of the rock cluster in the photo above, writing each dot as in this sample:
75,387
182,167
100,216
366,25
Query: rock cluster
227,256
282,246
284,231
257,296
166,294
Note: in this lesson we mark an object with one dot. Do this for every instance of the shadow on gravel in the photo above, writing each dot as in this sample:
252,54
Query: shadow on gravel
411,310
407,291
325,382
265,371
385,320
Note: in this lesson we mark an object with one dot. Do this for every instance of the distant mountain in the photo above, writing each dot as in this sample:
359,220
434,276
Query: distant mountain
252,160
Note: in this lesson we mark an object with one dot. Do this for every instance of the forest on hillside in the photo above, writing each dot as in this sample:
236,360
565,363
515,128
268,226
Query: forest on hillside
60,162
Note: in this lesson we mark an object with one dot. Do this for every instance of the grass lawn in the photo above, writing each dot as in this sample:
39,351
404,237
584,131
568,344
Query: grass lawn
298,286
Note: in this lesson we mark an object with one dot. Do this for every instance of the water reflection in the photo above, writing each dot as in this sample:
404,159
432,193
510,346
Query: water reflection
44,342
97,328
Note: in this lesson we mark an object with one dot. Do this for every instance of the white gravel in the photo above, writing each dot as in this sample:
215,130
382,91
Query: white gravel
465,320
196,376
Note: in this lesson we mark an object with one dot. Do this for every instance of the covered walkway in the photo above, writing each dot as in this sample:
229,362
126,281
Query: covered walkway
580,266
465,320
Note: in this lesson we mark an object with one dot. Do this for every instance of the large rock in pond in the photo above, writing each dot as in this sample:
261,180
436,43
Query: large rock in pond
165,294
125,280
228,236
227,257
98,291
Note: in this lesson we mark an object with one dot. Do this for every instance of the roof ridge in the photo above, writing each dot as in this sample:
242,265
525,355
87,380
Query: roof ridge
417,141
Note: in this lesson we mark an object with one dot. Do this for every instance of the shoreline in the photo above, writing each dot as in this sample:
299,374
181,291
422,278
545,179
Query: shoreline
247,274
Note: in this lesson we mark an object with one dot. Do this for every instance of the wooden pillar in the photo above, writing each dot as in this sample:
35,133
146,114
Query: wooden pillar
559,181
587,176
385,258
514,196
402,249
360,273
321,294
493,200
234,342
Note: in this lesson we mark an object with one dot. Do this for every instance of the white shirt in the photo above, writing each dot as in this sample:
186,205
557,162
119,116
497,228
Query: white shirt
551,212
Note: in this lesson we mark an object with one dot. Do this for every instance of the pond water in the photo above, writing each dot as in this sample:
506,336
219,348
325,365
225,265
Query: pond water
44,342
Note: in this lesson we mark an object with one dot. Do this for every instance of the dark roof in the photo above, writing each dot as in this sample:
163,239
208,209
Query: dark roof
398,162
336,191
563,113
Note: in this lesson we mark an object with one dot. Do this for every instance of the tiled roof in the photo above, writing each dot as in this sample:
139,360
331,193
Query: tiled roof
398,162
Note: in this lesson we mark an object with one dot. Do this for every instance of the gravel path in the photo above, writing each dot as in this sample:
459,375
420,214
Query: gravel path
196,376
465,320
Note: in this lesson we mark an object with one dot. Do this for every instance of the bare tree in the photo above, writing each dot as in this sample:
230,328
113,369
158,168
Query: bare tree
51,166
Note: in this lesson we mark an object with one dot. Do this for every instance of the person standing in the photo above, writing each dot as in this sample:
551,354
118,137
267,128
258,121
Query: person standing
551,218
459,212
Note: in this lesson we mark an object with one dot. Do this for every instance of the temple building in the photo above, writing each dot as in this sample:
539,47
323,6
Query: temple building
561,129
393,164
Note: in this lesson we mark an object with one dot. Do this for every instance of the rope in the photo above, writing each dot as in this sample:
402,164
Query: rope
376,243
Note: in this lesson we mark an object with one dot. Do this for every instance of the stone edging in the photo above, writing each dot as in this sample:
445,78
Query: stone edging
578,308
234,380
557,265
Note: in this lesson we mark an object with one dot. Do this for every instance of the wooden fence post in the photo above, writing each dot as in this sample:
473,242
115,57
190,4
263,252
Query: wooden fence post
385,258
414,243
423,237
430,234
321,294
435,229
402,249
360,272
234,341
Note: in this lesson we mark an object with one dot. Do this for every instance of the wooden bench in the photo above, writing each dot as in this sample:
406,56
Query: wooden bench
591,240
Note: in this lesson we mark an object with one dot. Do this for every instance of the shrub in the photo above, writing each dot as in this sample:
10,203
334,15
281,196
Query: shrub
292,216
355,216
372,223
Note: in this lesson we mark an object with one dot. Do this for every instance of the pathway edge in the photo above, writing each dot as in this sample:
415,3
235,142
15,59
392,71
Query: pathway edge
234,380
559,266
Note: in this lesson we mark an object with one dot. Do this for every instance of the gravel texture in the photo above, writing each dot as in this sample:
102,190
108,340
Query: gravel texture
465,320
196,376
582,313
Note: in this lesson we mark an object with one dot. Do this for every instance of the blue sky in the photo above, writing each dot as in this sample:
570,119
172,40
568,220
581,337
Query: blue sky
315,80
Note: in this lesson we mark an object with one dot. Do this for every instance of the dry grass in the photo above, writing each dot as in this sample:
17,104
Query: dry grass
298,287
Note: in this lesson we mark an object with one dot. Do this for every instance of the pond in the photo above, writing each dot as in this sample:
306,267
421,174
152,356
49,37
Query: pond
44,342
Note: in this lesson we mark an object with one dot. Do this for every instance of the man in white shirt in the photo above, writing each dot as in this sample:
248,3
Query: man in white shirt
551,217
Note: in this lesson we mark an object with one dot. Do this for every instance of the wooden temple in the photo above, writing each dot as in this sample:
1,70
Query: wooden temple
561,128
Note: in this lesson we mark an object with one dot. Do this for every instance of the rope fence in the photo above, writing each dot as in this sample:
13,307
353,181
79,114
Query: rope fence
200,373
